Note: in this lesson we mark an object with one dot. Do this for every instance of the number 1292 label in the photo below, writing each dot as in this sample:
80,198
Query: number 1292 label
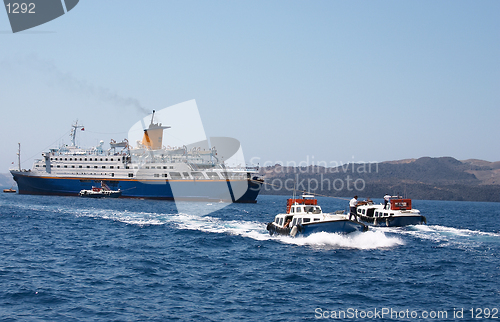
20,7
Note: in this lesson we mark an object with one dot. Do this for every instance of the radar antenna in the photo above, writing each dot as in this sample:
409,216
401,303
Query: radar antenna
73,132
152,116
19,157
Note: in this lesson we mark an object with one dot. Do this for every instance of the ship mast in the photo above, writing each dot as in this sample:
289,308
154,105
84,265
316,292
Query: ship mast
19,157
73,132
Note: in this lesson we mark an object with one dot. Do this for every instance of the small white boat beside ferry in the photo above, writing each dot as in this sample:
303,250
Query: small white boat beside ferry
304,217
103,192
399,213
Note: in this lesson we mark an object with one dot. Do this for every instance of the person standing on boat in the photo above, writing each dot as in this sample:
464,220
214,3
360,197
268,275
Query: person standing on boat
352,205
387,199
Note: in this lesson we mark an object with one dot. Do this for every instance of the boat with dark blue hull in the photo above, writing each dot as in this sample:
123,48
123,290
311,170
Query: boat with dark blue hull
397,213
149,170
162,189
304,217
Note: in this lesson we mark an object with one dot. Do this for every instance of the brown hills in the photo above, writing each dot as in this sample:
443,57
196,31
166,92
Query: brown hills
428,178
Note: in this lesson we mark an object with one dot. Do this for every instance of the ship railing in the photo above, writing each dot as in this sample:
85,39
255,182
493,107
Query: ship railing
242,169
79,153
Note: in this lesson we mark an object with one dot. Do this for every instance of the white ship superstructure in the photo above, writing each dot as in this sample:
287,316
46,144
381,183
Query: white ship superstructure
140,171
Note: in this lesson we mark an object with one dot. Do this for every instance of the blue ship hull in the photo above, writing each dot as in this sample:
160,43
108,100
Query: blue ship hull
337,226
334,226
397,221
186,190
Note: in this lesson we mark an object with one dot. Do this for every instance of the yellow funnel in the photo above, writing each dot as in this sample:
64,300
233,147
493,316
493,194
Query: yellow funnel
153,136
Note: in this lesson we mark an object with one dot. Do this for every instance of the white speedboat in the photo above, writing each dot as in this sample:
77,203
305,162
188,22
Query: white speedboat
304,217
103,192
399,213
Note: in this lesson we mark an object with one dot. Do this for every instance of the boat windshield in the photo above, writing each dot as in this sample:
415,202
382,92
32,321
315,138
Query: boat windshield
313,209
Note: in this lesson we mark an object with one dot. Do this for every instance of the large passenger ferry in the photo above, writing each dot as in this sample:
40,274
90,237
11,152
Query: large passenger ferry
148,170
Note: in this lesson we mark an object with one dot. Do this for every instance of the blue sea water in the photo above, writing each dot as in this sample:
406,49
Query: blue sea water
73,259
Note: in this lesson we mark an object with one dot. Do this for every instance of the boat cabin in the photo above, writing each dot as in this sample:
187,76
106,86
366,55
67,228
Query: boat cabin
298,211
401,204
375,212
369,209
304,216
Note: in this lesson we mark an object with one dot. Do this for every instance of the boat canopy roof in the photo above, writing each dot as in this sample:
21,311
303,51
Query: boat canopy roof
401,204
300,201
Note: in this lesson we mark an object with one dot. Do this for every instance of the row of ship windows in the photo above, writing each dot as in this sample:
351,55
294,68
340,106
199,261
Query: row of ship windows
82,159
296,221
80,166
158,167
152,167
184,175
110,167
314,210
172,175
377,213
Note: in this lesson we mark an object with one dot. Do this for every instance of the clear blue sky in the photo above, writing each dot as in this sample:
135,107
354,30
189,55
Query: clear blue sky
333,81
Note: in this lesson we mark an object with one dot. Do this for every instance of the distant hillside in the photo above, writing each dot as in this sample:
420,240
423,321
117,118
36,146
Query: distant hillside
486,172
425,178
6,181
